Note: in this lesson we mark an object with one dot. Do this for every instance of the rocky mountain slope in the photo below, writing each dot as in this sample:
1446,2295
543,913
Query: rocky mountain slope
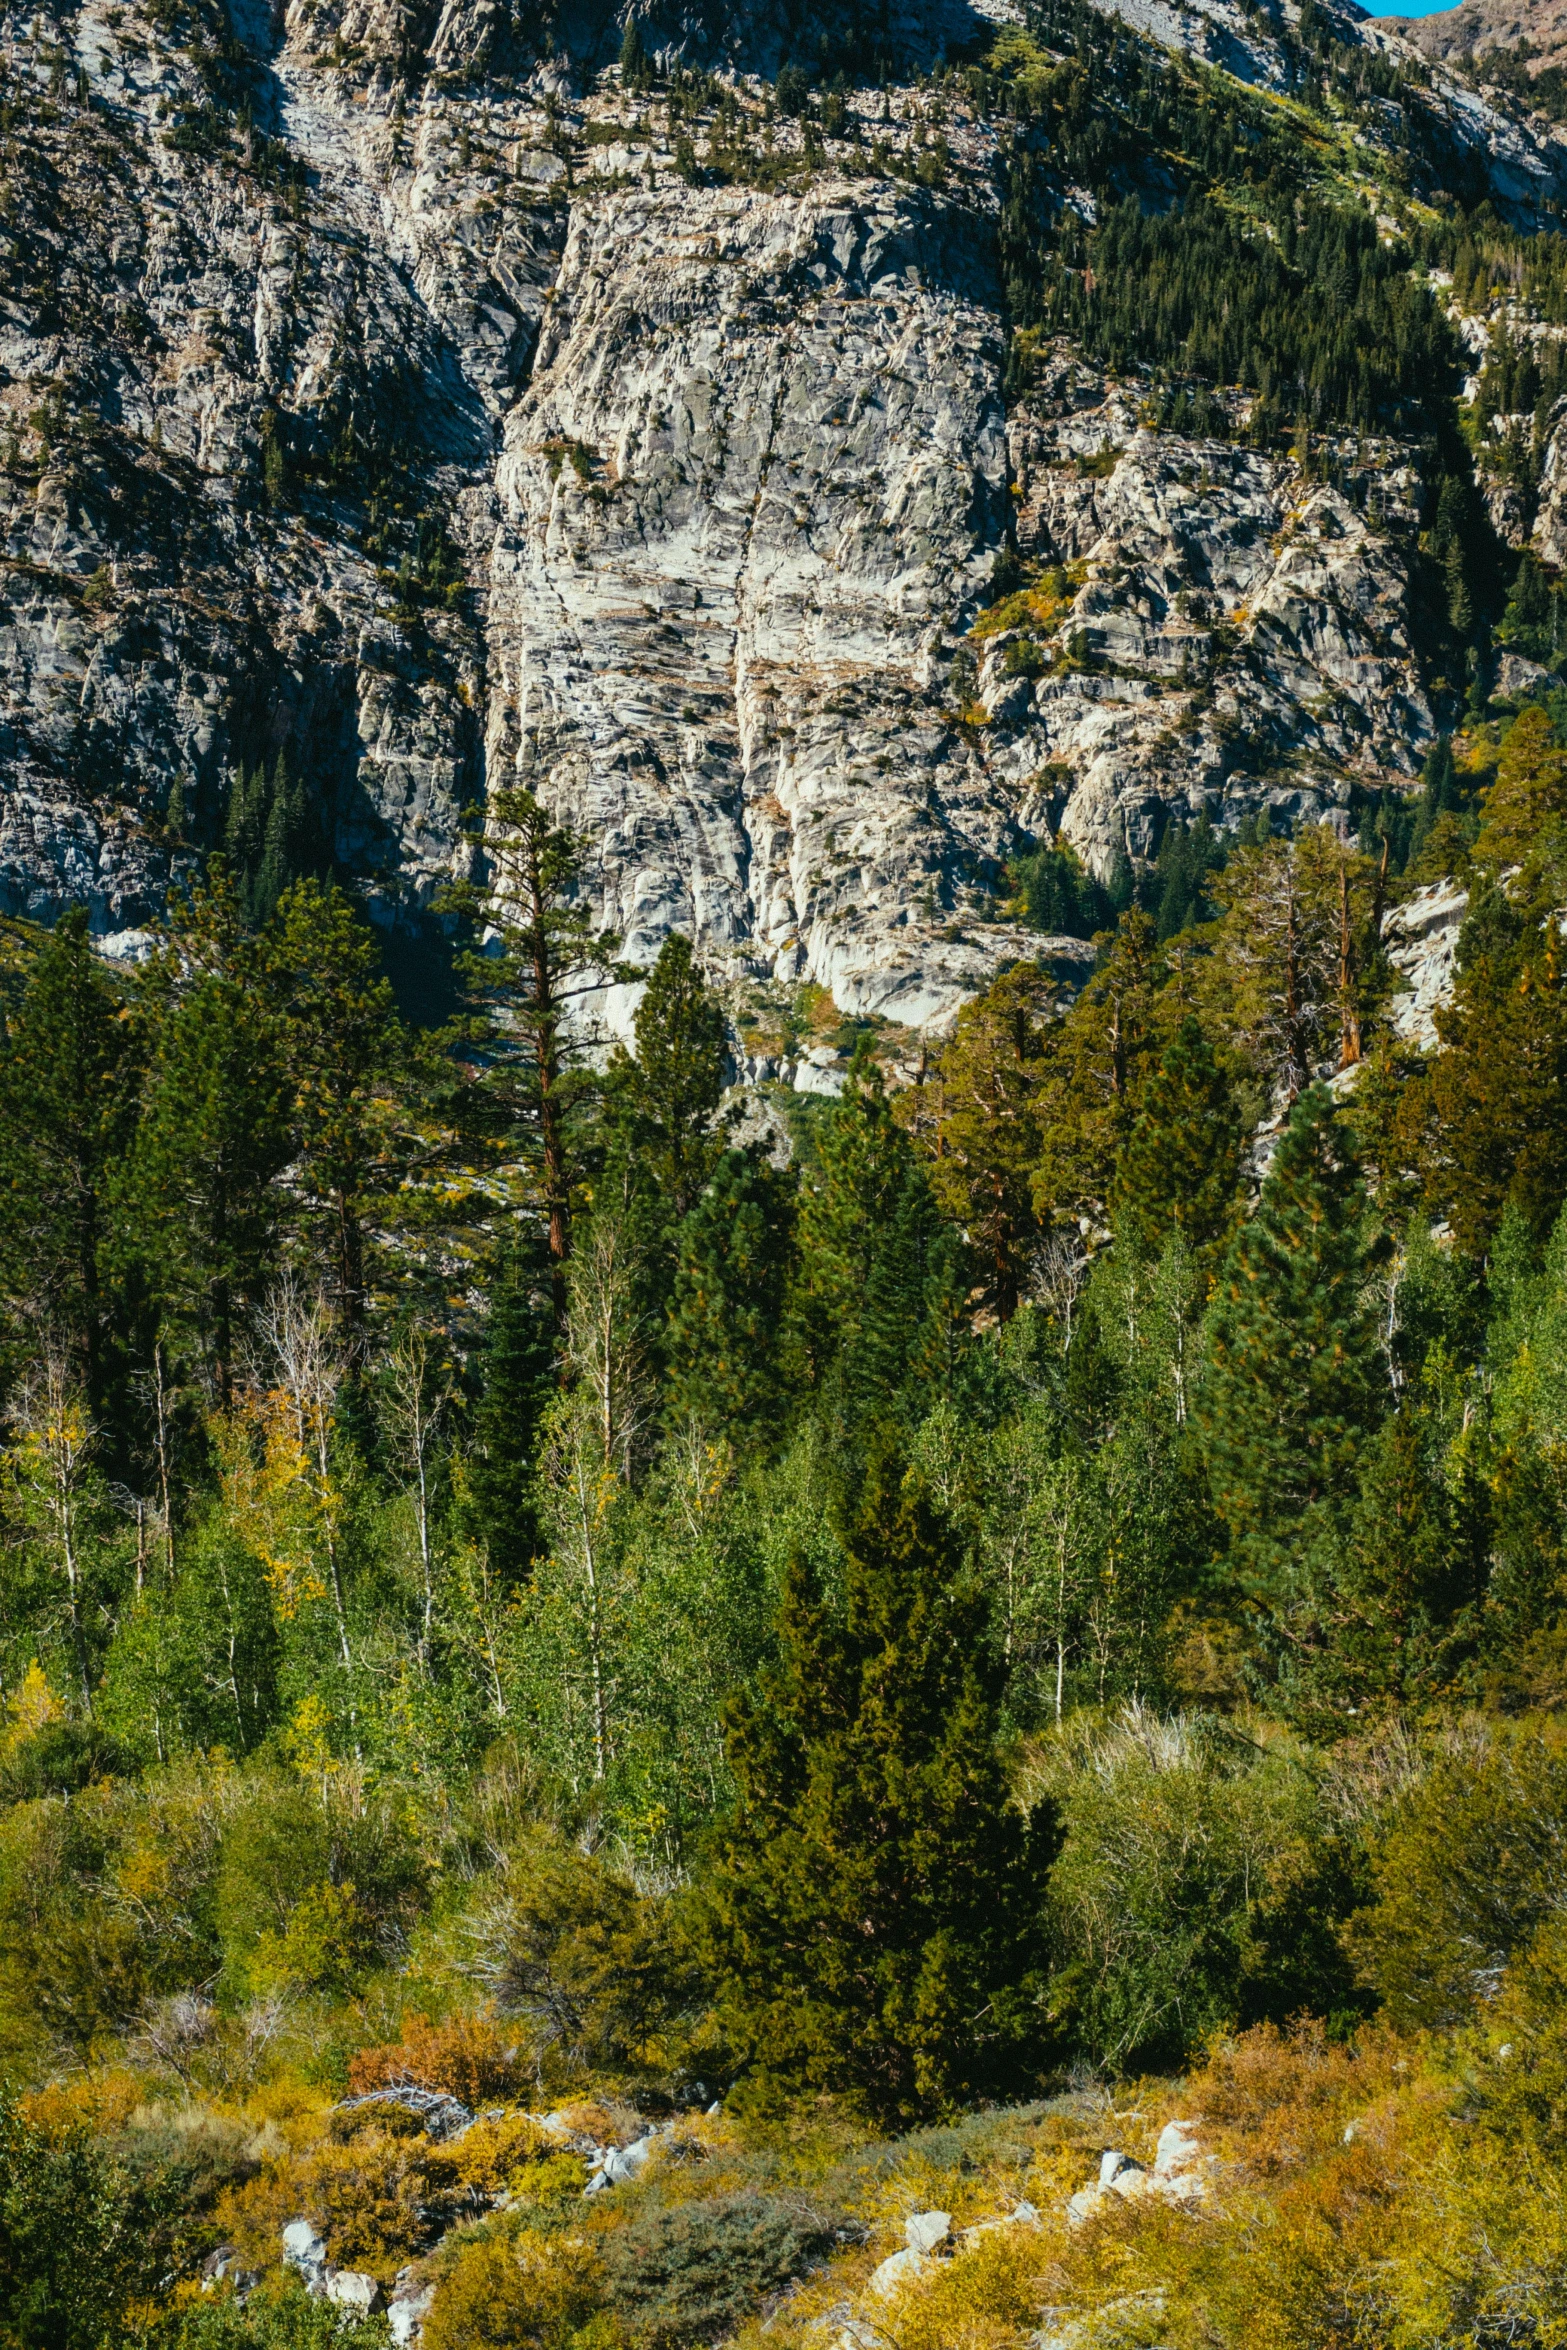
398,392
1480,25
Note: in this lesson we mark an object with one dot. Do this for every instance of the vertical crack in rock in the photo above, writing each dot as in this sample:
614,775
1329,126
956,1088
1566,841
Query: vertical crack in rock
760,461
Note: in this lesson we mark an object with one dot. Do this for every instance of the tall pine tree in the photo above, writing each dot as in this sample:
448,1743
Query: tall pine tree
200,1182
726,1317
1293,1389
517,1373
672,1089
878,1265
68,1081
342,1044
875,1912
543,959
1181,1164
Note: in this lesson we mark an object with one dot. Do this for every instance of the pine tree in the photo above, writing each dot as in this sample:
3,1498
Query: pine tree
342,1043
1526,806
633,56
1526,623
673,1088
875,1912
517,1373
1181,1164
1095,1062
978,1116
877,1263
1292,1391
214,1135
244,830
726,1316
1270,987
1496,1094
1404,1612
68,1082
1182,868
543,959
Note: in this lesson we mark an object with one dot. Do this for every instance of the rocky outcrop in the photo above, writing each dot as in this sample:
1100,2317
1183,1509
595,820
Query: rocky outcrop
1229,634
1420,940
1479,25
376,389
727,553
1180,2176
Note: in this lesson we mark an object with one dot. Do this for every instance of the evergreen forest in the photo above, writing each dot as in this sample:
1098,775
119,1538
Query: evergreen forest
514,1587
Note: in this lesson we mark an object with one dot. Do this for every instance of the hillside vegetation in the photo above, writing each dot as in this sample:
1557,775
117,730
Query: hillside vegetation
638,1712
1060,1583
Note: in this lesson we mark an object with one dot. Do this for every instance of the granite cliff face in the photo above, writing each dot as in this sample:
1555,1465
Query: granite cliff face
376,388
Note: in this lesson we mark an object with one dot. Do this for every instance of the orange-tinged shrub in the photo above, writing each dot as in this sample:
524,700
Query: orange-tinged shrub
97,2101
370,2199
465,2056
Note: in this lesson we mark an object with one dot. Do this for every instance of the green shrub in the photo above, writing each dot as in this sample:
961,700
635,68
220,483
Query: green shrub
1199,1886
60,1758
174,2164
693,2272
1469,1867
71,2253
313,1887
279,2315
593,1967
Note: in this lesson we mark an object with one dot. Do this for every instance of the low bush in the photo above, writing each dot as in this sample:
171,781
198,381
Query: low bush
465,2056
72,2250
526,2292
508,2153
1471,1863
593,1970
377,2200
1200,1887
690,2273
279,2315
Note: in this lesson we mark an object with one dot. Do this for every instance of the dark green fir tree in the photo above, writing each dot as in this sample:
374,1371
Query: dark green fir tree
1293,1389
879,1266
726,1316
875,1913
214,1133
672,1090
517,1373
67,1079
1181,1165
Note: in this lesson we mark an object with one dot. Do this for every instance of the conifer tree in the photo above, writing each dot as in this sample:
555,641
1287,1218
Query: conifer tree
978,1116
874,1916
1094,1067
1496,1094
529,988
633,56
1292,1389
877,1262
67,1079
673,1087
726,1316
518,1382
1404,1613
214,1135
341,1043
1181,1164
1270,987
1526,807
